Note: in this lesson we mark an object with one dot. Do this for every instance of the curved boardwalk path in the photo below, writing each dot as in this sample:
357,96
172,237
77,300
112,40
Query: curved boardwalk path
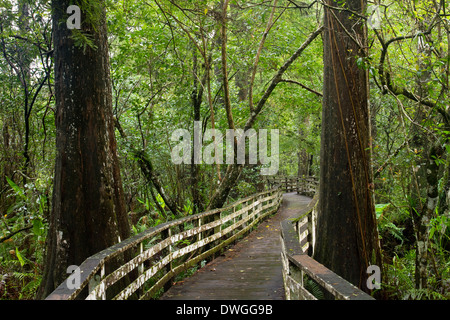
250,270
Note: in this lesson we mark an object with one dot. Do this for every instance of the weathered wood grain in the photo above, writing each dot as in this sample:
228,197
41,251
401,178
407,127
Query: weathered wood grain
297,237
228,224
174,251
249,270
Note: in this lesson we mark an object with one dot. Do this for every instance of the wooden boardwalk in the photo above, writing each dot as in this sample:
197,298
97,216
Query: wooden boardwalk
250,270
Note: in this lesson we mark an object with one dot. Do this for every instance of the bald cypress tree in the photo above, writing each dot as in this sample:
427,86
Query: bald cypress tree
88,212
347,238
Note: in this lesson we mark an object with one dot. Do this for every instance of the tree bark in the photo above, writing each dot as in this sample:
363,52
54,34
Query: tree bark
347,237
150,174
423,217
196,97
424,184
88,210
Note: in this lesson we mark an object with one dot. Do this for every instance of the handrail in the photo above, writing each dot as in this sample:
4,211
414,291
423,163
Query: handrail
304,185
297,241
162,252
171,248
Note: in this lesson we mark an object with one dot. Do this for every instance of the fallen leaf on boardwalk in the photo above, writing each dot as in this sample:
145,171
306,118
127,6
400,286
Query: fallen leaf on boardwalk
213,269
259,238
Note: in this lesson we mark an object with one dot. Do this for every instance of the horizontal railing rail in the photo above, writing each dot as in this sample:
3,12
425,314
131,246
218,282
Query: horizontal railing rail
302,185
301,273
162,252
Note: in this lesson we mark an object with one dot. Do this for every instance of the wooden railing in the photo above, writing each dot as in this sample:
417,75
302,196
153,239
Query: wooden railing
162,252
302,185
301,273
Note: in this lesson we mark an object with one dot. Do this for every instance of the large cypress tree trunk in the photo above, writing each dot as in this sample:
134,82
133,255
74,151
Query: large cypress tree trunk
88,212
347,238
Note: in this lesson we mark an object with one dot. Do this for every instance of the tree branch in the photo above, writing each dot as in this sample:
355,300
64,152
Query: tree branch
258,54
277,78
386,78
147,169
303,86
226,87
14,233
234,170
389,159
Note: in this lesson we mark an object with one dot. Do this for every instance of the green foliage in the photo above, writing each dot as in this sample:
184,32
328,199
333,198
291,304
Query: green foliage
153,46
21,255
146,203
315,289
92,13
16,189
83,40
399,281
188,208
386,225
439,230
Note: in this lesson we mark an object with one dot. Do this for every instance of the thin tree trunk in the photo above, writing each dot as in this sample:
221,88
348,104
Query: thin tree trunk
196,97
422,219
425,180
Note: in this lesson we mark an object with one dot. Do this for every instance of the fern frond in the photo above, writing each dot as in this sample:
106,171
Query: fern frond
314,288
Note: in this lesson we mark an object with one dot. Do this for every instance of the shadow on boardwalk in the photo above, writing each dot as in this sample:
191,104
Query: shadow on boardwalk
250,270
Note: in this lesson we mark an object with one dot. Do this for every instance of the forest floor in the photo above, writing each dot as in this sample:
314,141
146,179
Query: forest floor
249,270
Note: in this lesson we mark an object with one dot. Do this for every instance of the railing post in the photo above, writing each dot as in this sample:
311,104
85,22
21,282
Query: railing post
310,231
254,199
96,280
199,224
141,266
234,220
302,185
297,275
170,248
244,214
259,207
166,234
217,229
102,275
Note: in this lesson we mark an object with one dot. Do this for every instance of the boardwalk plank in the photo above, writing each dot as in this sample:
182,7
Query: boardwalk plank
250,270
